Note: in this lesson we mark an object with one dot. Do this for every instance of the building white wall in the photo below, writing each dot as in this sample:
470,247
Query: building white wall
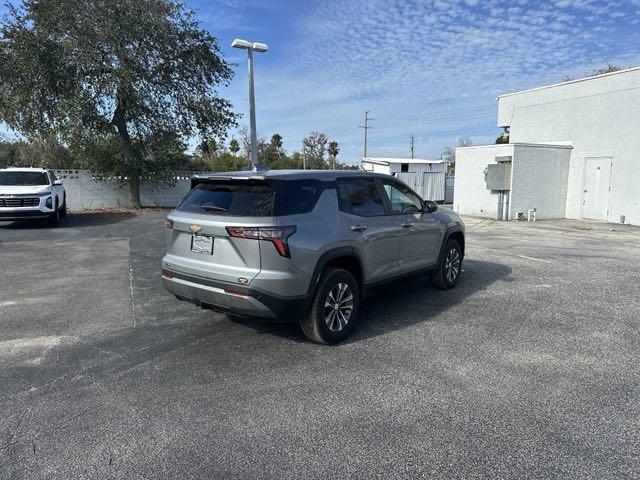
600,117
470,194
376,168
427,179
419,168
539,180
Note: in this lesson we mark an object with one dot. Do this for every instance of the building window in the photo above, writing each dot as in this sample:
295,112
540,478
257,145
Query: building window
404,167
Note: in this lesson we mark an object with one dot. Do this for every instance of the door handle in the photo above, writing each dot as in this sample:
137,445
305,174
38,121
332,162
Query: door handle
358,228
407,225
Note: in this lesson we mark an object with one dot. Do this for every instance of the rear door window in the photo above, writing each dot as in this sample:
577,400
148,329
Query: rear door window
360,196
247,199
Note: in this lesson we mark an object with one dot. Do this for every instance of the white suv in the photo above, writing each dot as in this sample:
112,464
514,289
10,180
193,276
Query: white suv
31,193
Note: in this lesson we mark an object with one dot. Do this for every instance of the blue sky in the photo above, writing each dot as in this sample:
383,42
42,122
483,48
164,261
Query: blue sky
428,68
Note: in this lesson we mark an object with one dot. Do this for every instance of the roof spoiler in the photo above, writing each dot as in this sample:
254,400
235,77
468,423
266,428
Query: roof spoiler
198,179
257,167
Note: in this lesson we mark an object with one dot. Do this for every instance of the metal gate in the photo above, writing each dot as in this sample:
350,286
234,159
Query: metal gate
449,182
429,185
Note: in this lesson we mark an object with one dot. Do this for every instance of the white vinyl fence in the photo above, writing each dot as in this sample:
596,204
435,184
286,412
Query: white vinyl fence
85,192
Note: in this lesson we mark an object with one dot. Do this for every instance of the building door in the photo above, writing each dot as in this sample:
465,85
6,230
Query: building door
595,193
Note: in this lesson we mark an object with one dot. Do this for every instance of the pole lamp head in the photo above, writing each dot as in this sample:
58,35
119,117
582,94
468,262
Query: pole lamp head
255,46
239,43
260,47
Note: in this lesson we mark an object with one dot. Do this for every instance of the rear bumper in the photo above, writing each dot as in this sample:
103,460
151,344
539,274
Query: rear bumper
234,298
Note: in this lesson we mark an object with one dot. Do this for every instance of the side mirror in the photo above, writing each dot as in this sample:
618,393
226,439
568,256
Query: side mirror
430,206
58,182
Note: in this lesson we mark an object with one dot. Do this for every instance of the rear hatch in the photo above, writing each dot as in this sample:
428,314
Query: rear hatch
199,242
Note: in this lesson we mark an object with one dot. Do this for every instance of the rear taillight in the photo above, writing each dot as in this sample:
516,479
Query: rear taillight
166,275
168,224
279,236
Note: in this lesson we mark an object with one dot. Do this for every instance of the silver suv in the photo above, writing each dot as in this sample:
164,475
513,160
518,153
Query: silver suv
304,245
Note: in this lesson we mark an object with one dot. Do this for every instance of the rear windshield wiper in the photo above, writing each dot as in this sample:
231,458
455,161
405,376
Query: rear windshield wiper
213,207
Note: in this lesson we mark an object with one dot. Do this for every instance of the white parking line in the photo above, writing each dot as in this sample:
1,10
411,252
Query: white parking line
502,252
532,258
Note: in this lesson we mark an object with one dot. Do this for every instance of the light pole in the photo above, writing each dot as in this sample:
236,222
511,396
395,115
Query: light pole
251,47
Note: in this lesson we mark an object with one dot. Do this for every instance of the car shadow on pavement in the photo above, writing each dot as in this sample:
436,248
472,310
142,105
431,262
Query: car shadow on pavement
403,303
72,220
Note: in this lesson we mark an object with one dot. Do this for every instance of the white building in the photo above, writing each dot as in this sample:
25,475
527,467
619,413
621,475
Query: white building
574,152
425,177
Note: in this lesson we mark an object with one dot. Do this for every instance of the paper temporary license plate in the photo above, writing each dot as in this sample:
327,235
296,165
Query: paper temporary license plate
202,244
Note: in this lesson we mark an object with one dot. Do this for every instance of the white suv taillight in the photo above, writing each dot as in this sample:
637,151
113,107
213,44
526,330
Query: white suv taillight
279,236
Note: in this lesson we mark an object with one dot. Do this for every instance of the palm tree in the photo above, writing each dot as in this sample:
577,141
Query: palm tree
234,148
333,149
276,144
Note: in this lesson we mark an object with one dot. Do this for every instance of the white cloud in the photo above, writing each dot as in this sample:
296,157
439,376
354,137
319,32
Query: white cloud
428,68
432,69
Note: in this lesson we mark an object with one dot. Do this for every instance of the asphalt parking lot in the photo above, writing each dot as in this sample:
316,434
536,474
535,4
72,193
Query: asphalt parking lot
529,368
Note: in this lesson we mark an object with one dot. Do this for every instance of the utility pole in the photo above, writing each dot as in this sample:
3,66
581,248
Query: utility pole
413,146
366,128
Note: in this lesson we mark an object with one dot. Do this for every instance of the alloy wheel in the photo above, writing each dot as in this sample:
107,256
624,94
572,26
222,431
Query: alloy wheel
338,307
452,265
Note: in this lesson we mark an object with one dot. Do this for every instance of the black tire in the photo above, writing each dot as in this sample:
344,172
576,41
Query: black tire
54,218
63,209
450,266
319,325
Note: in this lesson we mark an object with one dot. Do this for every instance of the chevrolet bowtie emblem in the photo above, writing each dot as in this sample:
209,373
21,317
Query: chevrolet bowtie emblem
196,228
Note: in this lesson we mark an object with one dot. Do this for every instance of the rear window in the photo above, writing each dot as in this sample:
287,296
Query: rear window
263,199
246,199
23,179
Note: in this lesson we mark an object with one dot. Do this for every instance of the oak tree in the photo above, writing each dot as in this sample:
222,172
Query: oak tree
131,75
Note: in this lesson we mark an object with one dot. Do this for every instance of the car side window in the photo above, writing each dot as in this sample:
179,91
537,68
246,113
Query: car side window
401,198
53,176
360,196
